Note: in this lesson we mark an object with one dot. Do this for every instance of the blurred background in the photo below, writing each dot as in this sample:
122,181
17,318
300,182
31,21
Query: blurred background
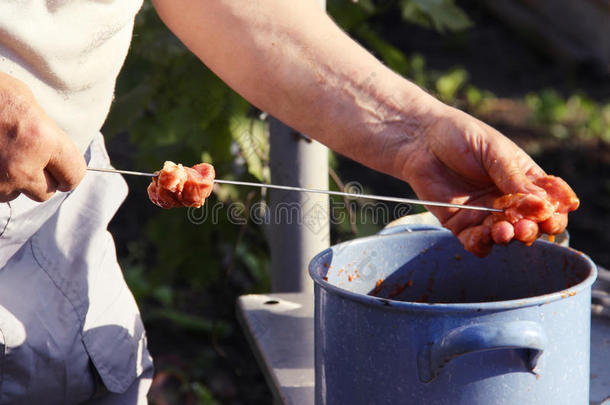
537,72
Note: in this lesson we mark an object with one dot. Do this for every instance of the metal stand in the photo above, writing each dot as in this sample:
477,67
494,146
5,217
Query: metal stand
300,221
300,227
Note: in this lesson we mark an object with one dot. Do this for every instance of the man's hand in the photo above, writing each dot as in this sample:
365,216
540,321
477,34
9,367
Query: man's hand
289,59
459,159
36,157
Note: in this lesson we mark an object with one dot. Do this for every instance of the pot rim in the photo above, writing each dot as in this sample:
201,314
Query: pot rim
584,285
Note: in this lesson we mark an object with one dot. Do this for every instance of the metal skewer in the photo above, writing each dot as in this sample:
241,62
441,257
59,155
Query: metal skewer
96,169
312,190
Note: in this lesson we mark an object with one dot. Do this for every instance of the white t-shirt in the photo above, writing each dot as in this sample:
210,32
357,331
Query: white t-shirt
69,52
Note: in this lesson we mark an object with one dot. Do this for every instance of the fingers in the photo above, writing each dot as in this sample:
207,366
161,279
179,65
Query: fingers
508,166
66,164
502,232
555,224
464,219
38,188
36,156
39,162
507,172
42,189
545,199
526,231
5,197
477,240
480,239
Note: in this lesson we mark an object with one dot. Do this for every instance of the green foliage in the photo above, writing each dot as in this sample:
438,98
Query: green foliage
474,97
438,14
418,70
354,17
394,58
576,115
251,137
441,15
203,394
190,323
349,14
448,85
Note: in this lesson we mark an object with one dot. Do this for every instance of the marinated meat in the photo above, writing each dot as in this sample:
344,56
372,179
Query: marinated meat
555,224
179,186
523,206
559,193
525,216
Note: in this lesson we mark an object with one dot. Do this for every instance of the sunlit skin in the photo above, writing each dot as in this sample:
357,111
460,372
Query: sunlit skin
464,161
324,84
291,60
36,157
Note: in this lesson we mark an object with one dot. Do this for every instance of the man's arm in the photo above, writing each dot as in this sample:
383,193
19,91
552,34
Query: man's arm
290,59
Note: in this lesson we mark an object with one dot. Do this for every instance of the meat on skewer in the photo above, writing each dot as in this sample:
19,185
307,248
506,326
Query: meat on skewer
179,186
525,216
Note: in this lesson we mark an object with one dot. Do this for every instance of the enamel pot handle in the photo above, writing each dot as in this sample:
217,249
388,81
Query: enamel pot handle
481,337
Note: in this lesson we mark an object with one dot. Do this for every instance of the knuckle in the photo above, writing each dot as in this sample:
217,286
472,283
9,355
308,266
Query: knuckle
9,173
38,197
46,196
66,186
38,192
38,136
8,196
71,181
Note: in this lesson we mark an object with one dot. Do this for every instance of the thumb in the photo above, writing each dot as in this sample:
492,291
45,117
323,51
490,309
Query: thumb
511,169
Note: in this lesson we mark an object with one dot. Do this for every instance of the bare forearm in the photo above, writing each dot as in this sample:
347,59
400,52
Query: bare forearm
290,59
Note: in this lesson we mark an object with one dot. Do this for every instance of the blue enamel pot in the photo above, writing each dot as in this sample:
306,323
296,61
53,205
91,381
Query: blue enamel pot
409,317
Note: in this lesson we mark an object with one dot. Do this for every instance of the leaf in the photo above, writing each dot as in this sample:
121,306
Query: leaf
412,12
164,294
250,135
474,96
127,107
204,394
418,70
440,14
191,322
392,56
448,84
350,14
